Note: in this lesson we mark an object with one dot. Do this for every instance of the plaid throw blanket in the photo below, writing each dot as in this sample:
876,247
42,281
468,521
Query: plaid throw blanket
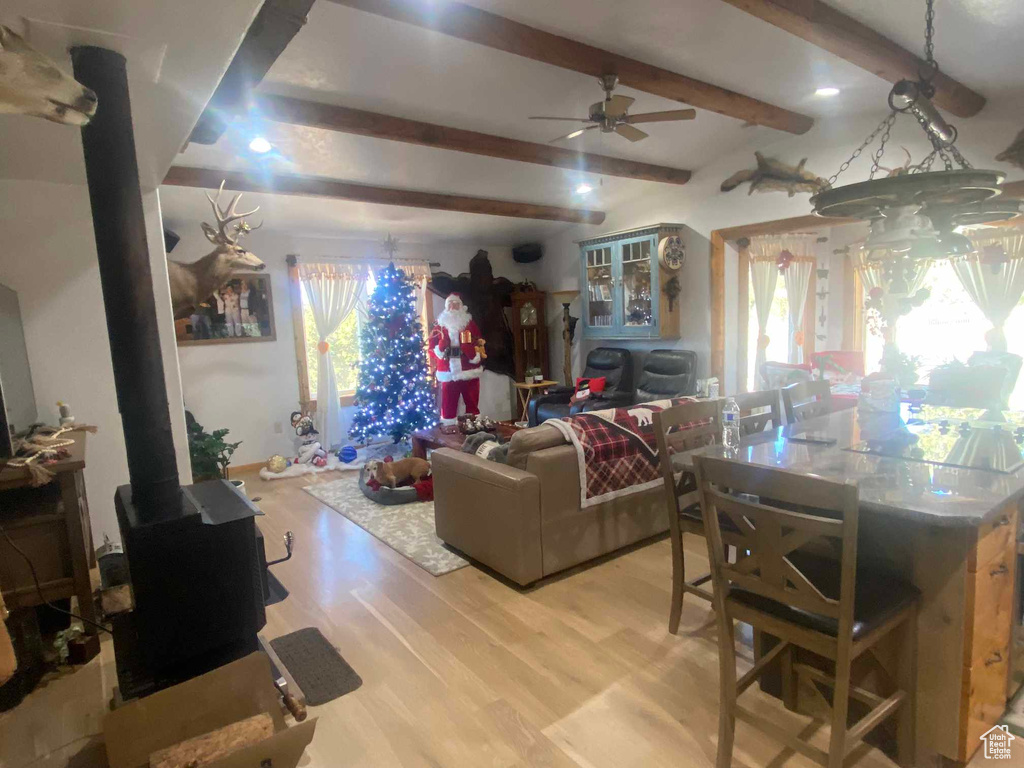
617,449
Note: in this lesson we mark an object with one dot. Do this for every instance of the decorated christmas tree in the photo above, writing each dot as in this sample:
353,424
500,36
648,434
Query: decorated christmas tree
393,396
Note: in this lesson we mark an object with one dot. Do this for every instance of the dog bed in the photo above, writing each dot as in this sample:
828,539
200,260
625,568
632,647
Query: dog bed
385,495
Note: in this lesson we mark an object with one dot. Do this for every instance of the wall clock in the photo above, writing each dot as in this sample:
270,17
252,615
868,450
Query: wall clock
672,252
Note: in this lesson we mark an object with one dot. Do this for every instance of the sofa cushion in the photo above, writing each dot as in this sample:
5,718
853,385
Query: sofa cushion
526,441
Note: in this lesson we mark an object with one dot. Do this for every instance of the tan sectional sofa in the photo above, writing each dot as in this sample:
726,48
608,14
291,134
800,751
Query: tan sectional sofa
524,519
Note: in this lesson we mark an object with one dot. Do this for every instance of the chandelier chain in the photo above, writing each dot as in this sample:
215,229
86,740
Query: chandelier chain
885,125
931,68
877,157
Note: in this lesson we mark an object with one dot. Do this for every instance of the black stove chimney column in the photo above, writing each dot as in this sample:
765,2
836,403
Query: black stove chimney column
120,227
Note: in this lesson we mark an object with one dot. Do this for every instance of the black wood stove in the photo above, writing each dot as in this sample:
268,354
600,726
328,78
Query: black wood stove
192,552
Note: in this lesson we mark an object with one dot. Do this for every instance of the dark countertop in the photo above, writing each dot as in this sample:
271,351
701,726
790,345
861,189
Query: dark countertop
928,493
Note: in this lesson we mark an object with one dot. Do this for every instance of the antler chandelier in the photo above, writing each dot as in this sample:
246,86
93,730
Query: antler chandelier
914,213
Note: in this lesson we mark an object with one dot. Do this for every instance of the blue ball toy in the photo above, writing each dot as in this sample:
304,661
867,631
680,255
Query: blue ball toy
347,454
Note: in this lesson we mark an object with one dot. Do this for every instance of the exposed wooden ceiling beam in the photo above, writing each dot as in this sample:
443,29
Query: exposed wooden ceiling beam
477,26
849,39
334,118
277,22
282,184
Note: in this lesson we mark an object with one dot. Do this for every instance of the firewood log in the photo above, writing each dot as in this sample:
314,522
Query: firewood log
202,750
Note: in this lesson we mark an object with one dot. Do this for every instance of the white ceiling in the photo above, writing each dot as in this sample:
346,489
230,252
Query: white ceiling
365,61
176,51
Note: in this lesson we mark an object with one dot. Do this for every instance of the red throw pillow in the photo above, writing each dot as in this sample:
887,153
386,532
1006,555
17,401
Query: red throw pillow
588,387
595,385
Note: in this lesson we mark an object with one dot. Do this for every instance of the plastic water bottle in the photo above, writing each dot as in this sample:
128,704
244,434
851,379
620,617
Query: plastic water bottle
731,425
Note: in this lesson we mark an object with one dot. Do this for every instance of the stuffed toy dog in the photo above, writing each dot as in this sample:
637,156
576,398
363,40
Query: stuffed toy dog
393,473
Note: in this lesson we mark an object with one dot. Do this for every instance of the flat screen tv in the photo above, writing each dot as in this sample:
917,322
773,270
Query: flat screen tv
17,397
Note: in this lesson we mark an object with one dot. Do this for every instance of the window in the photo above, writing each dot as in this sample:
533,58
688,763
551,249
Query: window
344,343
777,332
947,327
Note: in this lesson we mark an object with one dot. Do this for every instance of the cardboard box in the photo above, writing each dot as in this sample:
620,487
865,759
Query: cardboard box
226,695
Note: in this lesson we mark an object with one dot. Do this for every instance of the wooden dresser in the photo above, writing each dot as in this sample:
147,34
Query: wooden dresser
50,524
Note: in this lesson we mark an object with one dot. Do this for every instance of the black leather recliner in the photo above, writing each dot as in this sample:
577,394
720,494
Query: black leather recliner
667,373
614,363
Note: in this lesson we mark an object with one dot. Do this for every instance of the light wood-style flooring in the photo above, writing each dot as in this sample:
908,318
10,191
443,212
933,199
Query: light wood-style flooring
464,670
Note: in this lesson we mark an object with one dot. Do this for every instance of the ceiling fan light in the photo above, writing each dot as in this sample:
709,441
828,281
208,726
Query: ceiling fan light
584,189
827,91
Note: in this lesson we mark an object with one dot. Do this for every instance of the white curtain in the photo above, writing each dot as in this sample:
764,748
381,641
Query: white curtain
333,292
993,277
798,278
764,273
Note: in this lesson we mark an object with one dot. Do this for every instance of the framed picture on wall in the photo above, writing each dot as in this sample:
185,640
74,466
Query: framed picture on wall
243,310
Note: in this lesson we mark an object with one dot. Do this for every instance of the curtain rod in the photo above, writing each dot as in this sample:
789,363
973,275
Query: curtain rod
293,258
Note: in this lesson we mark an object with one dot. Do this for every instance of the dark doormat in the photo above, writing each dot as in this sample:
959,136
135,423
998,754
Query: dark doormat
276,590
316,666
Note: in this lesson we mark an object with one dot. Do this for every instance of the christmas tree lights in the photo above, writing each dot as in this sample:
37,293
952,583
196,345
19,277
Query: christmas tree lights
394,397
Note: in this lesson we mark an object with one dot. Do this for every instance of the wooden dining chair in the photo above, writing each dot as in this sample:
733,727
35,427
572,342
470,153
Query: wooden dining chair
758,411
806,400
683,428
806,601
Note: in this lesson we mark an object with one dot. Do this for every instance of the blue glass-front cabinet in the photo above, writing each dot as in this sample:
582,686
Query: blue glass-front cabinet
621,286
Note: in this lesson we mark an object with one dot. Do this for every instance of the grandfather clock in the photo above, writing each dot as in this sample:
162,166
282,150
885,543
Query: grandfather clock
530,332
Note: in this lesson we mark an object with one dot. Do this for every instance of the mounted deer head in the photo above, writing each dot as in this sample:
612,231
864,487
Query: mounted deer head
191,284
32,84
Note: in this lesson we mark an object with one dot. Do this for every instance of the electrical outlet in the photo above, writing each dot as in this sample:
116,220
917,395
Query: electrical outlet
278,428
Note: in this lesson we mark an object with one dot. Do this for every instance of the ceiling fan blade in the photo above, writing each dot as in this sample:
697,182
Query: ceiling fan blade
573,134
616,106
662,117
572,119
628,131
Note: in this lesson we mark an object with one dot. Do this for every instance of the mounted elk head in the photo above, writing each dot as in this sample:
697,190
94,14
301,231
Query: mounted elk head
31,84
192,284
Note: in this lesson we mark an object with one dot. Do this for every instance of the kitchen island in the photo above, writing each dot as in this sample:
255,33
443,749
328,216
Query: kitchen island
939,494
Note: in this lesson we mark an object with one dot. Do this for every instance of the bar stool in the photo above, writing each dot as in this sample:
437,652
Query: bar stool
806,400
804,600
683,428
753,417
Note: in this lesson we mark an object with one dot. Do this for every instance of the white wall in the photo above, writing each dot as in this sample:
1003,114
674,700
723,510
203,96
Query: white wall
252,388
49,258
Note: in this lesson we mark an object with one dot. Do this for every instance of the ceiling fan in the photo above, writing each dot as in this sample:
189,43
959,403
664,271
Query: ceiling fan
611,115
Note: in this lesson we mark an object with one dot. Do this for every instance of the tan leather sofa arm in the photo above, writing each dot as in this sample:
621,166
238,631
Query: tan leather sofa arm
490,512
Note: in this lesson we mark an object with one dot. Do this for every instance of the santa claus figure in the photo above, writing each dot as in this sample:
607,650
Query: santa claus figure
454,346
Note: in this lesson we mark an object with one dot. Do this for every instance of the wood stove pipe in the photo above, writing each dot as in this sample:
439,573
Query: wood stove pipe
120,227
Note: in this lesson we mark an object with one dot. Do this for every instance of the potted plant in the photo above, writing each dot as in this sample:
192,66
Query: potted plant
209,452
533,374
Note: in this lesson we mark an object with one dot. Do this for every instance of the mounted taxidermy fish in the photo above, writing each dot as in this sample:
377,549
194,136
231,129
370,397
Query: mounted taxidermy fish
771,175
1014,154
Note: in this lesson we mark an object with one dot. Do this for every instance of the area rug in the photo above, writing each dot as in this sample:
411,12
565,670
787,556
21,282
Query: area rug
406,528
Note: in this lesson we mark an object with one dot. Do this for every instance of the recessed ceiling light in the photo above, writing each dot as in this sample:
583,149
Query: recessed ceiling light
261,145
584,189
574,134
827,91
